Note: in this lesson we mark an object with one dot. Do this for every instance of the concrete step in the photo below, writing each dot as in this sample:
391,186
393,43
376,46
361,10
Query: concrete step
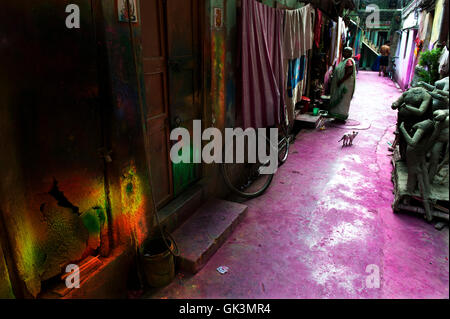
308,120
203,234
174,214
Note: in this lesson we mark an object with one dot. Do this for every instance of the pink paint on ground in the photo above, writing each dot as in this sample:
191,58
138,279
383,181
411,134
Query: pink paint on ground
325,218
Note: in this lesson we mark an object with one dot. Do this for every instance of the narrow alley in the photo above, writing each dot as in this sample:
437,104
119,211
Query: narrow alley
326,218
224,149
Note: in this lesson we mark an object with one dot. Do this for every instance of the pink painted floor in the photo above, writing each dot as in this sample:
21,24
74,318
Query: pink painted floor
326,217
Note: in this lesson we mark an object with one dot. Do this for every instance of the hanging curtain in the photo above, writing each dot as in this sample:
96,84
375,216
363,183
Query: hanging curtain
298,39
298,32
334,42
318,28
262,64
296,73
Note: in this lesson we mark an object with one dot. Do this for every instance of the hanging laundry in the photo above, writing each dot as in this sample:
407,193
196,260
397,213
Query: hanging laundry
263,81
437,22
295,78
298,39
294,45
305,73
326,38
422,26
308,13
298,32
334,44
327,81
425,32
318,28
296,73
341,37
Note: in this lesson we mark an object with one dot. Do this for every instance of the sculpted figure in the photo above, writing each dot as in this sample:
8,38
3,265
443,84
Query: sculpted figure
442,84
416,150
413,106
438,142
428,135
439,92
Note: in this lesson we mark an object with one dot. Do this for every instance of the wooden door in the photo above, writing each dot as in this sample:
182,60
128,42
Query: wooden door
171,61
184,67
157,109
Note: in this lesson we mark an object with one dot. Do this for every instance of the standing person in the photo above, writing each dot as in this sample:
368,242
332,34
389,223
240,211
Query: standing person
385,51
343,86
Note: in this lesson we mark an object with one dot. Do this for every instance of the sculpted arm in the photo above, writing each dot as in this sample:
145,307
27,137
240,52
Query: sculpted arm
439,94
412,141
426,86
397,103
423,106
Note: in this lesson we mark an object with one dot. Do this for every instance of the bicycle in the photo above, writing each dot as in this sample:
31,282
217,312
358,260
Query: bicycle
249,178
393,68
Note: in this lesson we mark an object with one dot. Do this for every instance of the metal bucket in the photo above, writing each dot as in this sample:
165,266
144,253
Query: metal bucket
158,262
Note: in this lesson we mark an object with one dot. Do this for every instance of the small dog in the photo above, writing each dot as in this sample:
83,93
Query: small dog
348,139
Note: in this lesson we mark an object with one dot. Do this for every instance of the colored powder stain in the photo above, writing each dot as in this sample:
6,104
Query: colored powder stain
101,215
95,198
32,259
92,222
185,173
132,197
218,81
133,217
129,188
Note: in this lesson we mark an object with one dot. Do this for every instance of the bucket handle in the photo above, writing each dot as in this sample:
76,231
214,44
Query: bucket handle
176,252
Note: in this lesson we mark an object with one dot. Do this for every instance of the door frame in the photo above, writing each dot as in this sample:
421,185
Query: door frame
204,66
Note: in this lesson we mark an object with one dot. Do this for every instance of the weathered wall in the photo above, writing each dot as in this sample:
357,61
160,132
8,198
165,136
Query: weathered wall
66,94
52,175
131,203
69,96
6,291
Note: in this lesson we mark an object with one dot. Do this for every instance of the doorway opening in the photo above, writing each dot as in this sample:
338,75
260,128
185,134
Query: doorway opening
172,66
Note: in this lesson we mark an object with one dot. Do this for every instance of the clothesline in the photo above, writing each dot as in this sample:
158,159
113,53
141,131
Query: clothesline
325,13
275,59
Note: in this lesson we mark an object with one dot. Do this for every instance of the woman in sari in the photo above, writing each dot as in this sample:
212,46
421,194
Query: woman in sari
343,86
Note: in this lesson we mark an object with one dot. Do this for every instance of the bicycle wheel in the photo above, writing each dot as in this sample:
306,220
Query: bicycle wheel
248,177
283,146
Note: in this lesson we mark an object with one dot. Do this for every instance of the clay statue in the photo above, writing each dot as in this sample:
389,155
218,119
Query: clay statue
416,151
442,84
423,138
439,92
438,142
413,106
428,135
